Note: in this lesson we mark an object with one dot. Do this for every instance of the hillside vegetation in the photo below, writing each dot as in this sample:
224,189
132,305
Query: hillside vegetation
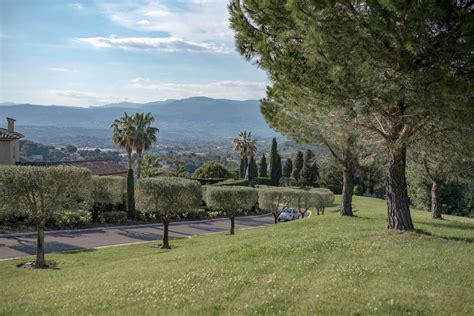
322,265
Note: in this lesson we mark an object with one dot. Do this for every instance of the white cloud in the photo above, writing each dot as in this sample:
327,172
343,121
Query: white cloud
228,89
203,21
62,69
77,6
166,44
86,98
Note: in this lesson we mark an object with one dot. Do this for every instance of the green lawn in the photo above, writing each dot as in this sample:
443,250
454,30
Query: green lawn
323,265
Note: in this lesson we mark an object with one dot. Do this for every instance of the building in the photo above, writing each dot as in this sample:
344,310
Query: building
97,167
9,144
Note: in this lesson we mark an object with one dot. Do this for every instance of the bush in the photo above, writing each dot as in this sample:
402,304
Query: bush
264,181
70,219
233,182
358,190
211,170
203,181
231,200
108,190
115,217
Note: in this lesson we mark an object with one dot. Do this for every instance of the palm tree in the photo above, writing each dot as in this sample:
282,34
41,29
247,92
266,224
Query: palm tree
150,166
246,146
144,136
123,131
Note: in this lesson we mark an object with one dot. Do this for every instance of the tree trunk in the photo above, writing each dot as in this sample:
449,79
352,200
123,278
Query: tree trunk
347,190
276,217
166,244
397,196
129,155
435,207
40,262
232,225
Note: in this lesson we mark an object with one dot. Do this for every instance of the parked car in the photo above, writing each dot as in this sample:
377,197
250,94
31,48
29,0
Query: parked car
289,214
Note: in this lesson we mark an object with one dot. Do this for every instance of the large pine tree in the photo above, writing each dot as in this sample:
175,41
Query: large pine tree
398,66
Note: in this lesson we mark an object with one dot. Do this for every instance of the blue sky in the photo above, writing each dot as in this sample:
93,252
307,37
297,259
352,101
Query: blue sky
83,53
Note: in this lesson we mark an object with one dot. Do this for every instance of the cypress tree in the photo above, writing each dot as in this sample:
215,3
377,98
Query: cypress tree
309,173
287,168
298,166
262,172
252,169
130,194
278,171
274,163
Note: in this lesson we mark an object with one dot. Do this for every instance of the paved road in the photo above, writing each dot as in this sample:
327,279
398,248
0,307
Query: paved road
24,244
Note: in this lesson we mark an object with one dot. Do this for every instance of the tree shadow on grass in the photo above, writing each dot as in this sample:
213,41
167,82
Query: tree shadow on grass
446,223
454,238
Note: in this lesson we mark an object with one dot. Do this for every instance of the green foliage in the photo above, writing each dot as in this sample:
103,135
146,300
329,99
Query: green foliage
70,219
130,194
231,200
275,163
168,196
287,182
309,172
263,168
298,166
358,190
252,169
211,170
150,167
108,189
233,182
287,168
246,146
115,217
40,192
264,181
274,199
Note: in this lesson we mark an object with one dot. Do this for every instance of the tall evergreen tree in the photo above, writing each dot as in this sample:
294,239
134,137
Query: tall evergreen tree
278,170
253,169
274,163
287,168
309,173
298,166
263,168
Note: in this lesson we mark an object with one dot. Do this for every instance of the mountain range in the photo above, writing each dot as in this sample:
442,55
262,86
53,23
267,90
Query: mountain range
189,119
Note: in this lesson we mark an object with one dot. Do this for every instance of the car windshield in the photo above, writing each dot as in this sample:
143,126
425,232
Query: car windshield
287,211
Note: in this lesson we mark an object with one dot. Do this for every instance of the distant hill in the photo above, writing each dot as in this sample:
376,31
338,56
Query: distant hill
197,117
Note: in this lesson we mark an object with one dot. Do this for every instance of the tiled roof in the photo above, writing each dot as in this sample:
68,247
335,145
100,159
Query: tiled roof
6,135
98,167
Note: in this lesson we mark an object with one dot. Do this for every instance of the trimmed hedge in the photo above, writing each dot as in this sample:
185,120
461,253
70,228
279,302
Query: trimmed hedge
209,181
233,182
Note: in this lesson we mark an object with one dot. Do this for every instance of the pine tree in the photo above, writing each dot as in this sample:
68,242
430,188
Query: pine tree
263,172
298,166
287,168
309,171
274,163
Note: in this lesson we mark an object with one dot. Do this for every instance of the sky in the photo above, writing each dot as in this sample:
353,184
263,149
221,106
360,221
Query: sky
88,53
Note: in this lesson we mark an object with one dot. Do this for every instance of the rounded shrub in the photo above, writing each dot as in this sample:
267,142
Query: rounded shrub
70,219
231,200
358,190
211,170
115,217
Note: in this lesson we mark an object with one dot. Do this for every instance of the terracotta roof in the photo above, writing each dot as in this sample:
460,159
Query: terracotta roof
7,135
98,167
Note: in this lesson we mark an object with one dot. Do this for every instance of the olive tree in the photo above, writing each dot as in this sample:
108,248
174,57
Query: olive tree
168,197
274,200
231,200
39,192
326,198
107,190
303,200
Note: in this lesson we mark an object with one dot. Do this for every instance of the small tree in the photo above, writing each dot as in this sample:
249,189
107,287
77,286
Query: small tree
287,168
275,163
274,200
298,166
303,200
211,170
262,169
167,197
231,200
39,192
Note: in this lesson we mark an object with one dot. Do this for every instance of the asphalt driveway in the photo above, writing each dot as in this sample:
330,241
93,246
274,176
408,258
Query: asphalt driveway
24,244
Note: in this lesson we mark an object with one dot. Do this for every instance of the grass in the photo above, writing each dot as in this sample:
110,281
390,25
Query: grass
322,265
